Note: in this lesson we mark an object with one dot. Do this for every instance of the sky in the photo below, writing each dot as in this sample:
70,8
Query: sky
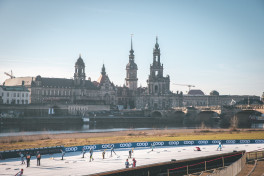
214,45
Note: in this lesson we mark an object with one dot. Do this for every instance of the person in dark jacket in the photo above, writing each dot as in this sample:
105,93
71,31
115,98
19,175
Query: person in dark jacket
127,164
28,156
38,158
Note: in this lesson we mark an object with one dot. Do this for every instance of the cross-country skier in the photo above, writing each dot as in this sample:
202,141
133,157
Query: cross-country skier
127,164
83,152
152,146
91,154
219,146
22,157
20,173
103,154
112,150
130,153
62,154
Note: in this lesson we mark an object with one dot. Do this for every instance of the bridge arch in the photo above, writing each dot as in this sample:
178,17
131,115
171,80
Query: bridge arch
246,117
156,114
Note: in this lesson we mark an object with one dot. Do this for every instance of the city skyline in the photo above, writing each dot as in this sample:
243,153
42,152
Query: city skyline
213,45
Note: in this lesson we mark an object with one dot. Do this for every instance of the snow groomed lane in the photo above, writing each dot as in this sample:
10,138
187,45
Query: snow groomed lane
74,164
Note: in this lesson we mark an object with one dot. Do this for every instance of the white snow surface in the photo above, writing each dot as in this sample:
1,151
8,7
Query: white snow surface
74,164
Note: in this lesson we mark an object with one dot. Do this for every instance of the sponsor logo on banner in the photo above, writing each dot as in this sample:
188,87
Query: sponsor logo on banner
142,144
158,143
244,141
174,143
216,141
230,141
188,142
71,149
259,141
125,145
107,146
89,147
202,142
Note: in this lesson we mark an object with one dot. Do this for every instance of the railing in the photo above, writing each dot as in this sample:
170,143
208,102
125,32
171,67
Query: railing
255,155
238,165
231,170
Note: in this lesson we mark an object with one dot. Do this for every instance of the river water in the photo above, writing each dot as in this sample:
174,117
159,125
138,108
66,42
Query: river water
17,130
20,130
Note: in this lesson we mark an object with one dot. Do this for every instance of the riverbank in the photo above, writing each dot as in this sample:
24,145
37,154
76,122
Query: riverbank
78,139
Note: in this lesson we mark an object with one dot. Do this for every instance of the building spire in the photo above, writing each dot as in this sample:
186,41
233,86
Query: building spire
103,70
131,42
156,45
131,50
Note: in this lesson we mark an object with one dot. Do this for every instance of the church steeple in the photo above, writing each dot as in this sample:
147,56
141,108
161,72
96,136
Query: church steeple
131,70
131,56
103,70
79,74
156,53
156,45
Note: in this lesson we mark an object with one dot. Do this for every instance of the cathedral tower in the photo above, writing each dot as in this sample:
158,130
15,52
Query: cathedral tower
157,84
131,71
79,74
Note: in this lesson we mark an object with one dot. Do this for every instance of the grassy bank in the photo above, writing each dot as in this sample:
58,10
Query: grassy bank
76,139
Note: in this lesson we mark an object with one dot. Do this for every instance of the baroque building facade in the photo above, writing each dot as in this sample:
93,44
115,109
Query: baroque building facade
158,94
80,94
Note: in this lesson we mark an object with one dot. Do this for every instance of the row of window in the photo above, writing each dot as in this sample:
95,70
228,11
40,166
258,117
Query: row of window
16,101
14,94
55,92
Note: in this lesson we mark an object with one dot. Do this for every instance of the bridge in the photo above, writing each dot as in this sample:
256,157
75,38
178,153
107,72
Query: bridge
203,109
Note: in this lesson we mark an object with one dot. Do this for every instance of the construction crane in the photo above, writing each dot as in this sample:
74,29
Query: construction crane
10,75
185,85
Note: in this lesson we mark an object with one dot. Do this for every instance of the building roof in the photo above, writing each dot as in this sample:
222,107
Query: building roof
131,65
195,92
62,82
18,81
80,61
14,88
214,93
57,82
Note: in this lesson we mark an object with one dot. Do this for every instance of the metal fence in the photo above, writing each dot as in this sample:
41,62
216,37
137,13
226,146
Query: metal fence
232,169
255,155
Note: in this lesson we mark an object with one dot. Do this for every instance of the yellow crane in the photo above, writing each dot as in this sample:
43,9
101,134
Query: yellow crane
185,85
10,75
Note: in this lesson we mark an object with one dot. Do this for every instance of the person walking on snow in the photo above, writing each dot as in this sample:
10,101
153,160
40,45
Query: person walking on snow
152,146
22,157
83,152
38,158
103,154
112,150
28,156
127,163
134,162
219,146
62,154
91,154
130,153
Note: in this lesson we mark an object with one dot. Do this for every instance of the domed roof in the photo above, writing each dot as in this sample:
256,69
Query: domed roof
38,78
214,93
195,92
79,61
131,65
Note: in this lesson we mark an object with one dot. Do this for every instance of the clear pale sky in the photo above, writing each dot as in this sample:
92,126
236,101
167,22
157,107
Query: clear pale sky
214,45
